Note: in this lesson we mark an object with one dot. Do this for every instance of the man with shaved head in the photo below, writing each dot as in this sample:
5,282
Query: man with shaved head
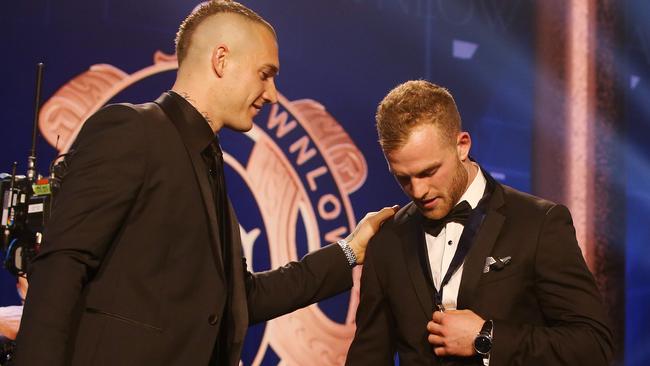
142,261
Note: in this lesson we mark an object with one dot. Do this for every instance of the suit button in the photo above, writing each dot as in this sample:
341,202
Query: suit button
213,319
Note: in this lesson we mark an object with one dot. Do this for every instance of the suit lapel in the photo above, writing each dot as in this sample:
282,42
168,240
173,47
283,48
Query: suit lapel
481,249
414,246
237,295
201,175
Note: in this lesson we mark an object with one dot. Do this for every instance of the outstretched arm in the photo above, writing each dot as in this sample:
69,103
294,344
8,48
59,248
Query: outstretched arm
319,275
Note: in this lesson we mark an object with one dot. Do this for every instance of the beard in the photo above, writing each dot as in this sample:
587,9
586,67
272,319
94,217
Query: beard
454,193
458,185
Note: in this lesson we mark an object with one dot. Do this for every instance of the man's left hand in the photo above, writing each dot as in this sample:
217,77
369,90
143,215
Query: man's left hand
366,229
452,332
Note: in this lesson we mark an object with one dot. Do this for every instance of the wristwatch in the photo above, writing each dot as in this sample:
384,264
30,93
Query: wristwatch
483,340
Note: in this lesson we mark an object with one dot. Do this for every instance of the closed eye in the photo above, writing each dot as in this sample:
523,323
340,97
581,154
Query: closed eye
268,72
403,179
427,173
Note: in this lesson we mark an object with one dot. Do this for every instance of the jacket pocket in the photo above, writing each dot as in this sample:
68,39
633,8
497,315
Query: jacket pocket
124,319
498,276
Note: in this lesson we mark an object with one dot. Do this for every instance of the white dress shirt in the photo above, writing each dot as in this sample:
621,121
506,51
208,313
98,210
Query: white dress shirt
441,248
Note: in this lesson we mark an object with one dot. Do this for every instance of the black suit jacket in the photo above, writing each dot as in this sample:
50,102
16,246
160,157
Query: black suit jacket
545,304
131,271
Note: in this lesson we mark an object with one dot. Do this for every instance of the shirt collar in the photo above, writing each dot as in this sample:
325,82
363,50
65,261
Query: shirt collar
476,189
200,134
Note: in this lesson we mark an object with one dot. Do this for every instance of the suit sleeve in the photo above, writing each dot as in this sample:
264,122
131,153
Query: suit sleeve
373,342
319,275
104,176
576,332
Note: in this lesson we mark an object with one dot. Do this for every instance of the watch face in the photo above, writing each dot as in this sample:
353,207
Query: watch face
483,344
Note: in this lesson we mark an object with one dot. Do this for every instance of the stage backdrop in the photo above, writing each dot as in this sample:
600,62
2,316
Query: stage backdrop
311,166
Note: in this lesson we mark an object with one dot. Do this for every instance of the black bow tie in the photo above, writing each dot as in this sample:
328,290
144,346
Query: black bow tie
458,214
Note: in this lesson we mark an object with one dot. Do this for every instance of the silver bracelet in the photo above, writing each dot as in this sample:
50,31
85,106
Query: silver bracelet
349,253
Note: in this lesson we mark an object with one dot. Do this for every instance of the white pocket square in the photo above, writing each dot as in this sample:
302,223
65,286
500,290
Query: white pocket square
496,264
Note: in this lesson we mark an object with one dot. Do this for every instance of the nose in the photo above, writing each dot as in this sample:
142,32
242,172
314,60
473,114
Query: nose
419,188
270,92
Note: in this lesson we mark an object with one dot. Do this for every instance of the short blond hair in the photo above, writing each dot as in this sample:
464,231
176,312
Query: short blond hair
412,104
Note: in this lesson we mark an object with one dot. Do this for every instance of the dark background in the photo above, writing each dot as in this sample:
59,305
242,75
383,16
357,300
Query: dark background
347,54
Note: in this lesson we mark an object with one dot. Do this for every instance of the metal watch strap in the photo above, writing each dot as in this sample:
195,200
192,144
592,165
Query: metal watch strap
349,253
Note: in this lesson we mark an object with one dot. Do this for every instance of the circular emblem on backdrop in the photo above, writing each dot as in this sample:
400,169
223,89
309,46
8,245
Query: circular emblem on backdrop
292,175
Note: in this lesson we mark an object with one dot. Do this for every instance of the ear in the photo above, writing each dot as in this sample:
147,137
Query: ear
219,57
463,145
